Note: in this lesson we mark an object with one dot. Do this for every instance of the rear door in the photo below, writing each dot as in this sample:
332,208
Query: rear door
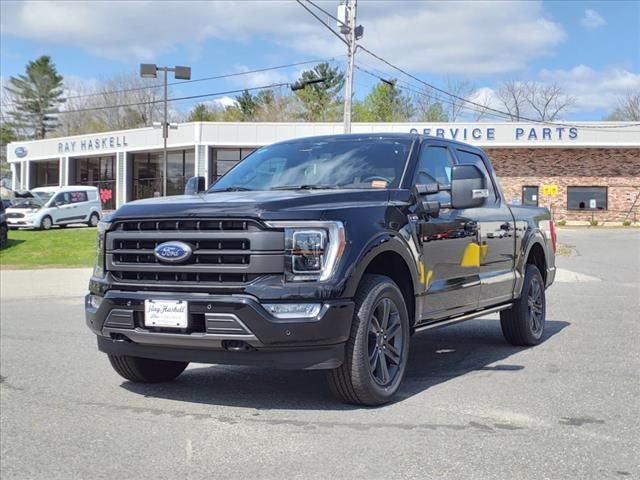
496,235
451,284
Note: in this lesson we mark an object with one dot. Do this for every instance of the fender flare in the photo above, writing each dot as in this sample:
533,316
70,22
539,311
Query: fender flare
385,242
535,237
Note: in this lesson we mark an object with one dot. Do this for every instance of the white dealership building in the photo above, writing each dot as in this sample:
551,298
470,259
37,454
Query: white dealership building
574,169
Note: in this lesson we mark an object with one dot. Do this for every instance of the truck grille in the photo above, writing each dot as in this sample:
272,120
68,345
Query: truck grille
225,252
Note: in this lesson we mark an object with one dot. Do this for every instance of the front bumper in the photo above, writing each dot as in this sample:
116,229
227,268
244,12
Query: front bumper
21,223
218,325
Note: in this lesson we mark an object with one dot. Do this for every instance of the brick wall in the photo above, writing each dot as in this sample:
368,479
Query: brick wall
615,168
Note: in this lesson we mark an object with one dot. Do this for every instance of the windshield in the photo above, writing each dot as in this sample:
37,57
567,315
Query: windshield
43,197
359,163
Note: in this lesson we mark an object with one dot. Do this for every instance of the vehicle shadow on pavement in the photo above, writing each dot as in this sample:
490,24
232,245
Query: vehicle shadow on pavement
435,357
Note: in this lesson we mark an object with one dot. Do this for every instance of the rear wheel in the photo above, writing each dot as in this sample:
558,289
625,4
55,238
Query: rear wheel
46,223
523,324
377,350
93,220
146,370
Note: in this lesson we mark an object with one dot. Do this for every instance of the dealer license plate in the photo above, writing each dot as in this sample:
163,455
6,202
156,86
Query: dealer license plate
165,313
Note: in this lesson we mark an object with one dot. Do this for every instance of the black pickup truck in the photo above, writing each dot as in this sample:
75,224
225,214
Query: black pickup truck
320,253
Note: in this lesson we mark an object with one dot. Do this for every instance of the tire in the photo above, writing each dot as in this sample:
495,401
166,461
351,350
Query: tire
523,324
146,370
46,223
360,380
4,236
93,220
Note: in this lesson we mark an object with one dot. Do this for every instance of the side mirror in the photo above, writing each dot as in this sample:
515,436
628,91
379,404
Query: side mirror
424,207
468,187
59,203
194,185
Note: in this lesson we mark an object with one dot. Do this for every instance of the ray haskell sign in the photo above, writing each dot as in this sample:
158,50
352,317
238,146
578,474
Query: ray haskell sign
98,143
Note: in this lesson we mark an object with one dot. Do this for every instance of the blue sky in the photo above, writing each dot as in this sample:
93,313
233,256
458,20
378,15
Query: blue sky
592,49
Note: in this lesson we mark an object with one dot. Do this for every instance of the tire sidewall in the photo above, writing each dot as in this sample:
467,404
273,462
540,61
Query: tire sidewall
532,272
360,361
43,222
94,219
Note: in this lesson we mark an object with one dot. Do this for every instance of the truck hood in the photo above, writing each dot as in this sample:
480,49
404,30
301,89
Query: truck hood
279,204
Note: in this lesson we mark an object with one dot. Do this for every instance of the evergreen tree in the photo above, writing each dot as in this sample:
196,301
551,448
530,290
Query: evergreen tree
385,103
321,102
37,96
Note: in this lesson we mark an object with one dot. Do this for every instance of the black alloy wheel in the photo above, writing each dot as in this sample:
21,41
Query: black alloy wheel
385,342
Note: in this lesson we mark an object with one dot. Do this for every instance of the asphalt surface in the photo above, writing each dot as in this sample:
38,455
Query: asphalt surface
471,407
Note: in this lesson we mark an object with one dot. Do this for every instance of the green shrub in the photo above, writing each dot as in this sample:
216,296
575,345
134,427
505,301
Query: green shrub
594,223
562,222
626,223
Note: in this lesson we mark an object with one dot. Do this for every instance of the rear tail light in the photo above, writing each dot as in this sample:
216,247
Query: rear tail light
552,229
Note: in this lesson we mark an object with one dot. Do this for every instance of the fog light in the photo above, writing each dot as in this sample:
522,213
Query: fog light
293,310
95,301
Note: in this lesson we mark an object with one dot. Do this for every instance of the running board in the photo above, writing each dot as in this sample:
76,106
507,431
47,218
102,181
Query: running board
462,318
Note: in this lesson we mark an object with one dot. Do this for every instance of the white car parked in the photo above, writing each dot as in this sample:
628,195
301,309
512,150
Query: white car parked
56,206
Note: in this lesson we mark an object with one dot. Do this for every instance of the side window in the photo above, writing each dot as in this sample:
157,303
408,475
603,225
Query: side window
62,198
77,197
434,166
475,159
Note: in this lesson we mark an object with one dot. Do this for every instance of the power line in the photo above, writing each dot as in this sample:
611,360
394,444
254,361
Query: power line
312,13
216,77
500,112
176,99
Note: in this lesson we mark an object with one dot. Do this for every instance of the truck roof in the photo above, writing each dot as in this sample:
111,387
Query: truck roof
381,136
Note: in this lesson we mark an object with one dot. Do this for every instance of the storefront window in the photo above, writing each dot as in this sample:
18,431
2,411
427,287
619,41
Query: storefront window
147,172
586,198
98,172
530,196
46,174
224,159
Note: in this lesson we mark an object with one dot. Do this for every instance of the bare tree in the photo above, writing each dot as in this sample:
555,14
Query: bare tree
547,101
513,96
628,108
483,101
429,107
461,89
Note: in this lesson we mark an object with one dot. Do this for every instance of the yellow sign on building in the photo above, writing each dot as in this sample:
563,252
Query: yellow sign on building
550,189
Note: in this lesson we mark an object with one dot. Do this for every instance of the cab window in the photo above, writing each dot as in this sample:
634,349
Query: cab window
471,158
434,166
63,198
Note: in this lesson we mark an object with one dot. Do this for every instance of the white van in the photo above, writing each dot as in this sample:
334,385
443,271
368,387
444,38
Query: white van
61,206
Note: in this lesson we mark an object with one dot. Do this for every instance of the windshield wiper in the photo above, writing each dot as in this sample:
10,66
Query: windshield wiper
304,187
231,189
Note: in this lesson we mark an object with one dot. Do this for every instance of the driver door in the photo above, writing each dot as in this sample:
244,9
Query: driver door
451,283
62,207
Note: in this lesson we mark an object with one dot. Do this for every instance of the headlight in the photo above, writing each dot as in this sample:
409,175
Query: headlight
103,227
313,248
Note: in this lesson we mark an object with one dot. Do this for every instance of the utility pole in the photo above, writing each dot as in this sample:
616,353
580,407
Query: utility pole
350,34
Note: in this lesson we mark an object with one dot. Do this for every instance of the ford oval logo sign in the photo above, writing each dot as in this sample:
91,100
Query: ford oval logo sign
173,252
20,152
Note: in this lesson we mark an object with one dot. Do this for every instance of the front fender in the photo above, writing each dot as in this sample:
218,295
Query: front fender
384,242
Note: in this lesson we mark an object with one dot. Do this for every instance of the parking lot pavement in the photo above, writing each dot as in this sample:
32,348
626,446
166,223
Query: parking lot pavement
472,407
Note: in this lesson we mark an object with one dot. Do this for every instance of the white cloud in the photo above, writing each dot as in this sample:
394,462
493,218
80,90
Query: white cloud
592,19
470,38
594,89
224,101
260,79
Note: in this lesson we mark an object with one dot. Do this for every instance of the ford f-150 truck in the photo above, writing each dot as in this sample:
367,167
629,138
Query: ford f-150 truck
320,253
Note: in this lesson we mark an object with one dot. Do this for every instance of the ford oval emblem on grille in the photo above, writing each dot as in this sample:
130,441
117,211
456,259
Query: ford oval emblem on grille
173,252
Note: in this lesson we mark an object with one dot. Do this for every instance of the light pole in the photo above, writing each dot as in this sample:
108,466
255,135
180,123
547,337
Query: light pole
150,70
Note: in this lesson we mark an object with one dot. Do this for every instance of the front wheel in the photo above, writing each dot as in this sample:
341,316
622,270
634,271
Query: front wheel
523,324
93,220
46,223
378,347
146,370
